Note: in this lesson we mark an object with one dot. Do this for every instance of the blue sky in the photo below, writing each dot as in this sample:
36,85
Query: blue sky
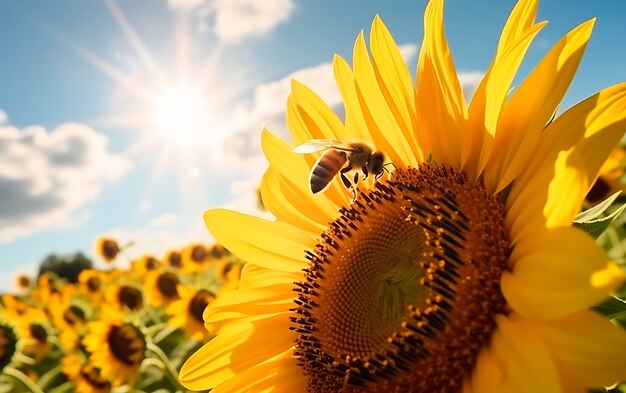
83,154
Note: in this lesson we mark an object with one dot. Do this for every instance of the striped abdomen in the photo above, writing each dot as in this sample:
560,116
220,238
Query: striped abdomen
325,169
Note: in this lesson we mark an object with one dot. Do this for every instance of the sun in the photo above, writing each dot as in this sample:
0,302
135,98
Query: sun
181,115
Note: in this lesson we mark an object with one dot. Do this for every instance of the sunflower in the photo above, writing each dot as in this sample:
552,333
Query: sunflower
107,249
458,272
124,297
160,287
69,317
85,377
34,329
172,259
186,312
141,266
23,281
195,257
90,284
117,348
609,179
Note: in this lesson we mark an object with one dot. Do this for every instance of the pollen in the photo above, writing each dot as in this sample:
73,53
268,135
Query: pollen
402,289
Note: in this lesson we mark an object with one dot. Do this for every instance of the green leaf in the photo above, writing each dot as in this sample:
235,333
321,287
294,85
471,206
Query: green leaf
594,221
612,308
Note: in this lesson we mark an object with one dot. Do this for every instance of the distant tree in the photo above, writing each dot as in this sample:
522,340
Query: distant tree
65,266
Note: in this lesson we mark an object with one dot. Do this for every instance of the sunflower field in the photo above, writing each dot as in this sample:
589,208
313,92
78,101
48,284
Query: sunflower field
115,330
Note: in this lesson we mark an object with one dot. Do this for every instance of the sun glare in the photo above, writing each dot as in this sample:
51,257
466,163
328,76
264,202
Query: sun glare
180,115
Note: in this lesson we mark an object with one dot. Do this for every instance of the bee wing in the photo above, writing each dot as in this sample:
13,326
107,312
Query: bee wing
315,145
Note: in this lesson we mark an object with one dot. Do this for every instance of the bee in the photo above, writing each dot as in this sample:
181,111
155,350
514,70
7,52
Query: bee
339,159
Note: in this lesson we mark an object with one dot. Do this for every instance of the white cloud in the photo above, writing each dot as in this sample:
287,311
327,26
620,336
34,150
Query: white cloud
46,176
469,82
408,52
3,117
164,220
271,98
184,4
237,19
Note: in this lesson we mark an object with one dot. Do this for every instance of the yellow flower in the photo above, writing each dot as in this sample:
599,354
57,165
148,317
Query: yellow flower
172,259
124,297
107,249
117,348
33,329
460,271
228,271
160,287
609,178
13,307
195,257
23,281
186,312
69,318
85,377
141,266
90,284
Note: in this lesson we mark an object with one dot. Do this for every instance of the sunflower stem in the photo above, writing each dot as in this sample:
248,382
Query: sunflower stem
48,377
169,369
20,376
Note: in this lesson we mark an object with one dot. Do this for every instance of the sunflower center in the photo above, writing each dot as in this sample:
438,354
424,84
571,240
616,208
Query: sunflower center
403,287
93,284
198,254
198,303
38,332
175,259
126,344
110,249
166,283
130,297
94,377
74,315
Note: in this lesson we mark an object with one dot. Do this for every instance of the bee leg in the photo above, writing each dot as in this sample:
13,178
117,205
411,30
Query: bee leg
365,172
380,175
346,182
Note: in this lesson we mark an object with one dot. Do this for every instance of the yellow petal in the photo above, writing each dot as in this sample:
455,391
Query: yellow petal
491,96
355,119
383,127
557,272
528,364
440,100
253,276
282,198
579,141
484,110
248,304
235,350
589,348
314,118
210,365
280,374
523,119
294,170
395,82
522,17
272,244
488,375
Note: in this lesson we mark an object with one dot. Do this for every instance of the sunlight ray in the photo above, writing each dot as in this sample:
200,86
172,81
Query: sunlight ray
136,42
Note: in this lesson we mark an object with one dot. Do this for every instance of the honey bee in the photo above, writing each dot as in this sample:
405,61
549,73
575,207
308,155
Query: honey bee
341,158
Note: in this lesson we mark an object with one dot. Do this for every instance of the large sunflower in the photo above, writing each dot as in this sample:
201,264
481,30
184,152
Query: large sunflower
461,271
